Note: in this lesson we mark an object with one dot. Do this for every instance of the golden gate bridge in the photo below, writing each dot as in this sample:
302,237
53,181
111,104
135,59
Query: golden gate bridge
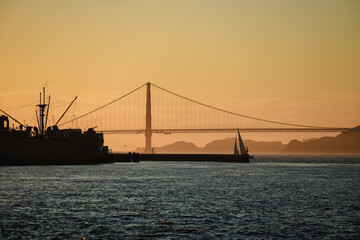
151,109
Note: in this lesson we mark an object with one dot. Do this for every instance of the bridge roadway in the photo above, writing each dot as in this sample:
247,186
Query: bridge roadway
225,130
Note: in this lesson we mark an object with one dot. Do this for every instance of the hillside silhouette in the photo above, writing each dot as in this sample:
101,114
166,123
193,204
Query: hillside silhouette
347,142
219,146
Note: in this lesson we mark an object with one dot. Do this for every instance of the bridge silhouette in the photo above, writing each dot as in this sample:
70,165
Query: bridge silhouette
151,109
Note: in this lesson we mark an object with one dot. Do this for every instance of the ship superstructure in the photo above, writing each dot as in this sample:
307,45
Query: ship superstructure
47,145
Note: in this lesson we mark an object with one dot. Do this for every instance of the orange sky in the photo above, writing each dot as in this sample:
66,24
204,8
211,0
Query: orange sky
290,61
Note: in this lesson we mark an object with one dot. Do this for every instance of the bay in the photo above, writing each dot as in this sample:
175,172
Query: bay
274,196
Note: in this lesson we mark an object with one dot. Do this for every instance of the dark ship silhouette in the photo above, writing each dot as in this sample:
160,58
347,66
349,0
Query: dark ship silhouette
44,145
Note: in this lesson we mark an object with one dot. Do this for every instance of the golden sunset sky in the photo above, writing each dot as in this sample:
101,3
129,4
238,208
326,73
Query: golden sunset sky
291,61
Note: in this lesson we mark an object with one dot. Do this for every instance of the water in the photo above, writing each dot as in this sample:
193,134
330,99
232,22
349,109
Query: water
290,197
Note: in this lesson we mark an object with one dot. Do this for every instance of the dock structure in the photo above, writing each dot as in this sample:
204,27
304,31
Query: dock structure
137,157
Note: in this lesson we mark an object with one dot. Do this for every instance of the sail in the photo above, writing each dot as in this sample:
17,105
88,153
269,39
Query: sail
242,146
236,151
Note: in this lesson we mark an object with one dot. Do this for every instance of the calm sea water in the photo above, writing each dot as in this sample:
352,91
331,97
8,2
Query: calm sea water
275,196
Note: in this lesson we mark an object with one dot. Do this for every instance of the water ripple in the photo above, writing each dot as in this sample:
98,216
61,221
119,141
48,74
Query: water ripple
172,200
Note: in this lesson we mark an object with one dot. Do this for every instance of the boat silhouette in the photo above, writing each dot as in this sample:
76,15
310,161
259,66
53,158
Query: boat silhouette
47,145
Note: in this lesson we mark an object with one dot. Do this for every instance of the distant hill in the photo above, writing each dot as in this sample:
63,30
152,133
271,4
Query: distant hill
179,147
219,146
227,146
348,142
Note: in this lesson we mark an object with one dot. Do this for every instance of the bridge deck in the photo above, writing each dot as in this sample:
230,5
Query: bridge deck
225,130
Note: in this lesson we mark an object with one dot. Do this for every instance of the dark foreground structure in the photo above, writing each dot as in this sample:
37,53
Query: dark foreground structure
42,145
56,147
195,157
136,157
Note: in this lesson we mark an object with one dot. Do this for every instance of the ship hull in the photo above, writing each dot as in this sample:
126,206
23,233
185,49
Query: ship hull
47,151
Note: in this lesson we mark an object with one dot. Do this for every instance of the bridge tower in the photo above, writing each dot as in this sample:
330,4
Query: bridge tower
148,131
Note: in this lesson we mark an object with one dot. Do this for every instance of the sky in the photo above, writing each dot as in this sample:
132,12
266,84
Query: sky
291,61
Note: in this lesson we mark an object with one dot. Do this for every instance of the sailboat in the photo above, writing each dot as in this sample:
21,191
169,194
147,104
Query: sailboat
243,150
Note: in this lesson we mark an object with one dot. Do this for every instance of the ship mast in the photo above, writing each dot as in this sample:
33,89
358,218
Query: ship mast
42,107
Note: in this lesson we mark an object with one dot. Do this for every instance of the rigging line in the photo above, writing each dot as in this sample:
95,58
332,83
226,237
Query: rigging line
67,103
32,118
236,114
26,105
103,105
66,99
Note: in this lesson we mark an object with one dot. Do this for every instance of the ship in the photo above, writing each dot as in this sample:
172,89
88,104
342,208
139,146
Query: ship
47,145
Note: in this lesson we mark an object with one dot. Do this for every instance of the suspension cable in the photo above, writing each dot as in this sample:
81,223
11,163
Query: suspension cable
233,113
103,106
26,105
